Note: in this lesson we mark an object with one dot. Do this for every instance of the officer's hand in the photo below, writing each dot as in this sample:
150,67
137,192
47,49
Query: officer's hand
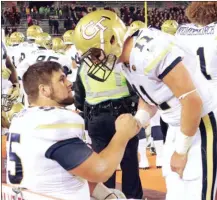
14,91
6,73
127,125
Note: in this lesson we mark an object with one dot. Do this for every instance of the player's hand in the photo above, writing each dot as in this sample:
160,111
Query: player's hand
127,125
178,163
14,91
6,73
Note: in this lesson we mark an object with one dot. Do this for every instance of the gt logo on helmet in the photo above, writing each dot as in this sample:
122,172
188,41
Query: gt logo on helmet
91,29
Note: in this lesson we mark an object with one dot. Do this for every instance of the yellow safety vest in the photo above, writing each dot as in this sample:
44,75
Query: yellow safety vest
115,87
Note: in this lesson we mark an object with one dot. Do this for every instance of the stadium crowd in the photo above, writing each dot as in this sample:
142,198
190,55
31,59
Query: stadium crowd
73,13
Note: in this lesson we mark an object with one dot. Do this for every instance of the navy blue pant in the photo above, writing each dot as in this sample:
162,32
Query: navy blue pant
101,129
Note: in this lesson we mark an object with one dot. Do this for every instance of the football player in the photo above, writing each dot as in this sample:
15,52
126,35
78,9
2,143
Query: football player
44,53
70,49
46,141
201,36
165,76
10,83
14,50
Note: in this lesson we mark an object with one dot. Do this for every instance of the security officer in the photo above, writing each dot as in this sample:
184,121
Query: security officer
102,103
104,94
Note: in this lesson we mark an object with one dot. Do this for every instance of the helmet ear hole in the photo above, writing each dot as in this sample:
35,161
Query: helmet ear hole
112,40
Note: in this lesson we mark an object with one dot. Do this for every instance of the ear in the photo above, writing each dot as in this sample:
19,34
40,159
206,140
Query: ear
44,90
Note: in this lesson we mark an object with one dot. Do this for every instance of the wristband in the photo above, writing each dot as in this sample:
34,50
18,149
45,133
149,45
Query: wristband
183,143
142,116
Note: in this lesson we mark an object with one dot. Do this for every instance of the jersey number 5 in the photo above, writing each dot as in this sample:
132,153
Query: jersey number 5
200,53
14,165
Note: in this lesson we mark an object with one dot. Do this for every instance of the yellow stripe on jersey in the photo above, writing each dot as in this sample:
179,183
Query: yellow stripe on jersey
158,59
60,126
208,143
209,153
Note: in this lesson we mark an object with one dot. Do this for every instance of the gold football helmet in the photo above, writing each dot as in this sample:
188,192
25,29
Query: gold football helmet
170,26
68,37
8,116
58,45
17,107
43,40
137,25
7,41
33,31
134,26
99,36
16,38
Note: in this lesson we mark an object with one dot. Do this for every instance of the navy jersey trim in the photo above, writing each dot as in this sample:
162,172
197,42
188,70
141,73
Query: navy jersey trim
69,153
170,67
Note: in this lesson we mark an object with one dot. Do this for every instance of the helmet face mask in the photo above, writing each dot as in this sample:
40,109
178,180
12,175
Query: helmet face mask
6,103
100,65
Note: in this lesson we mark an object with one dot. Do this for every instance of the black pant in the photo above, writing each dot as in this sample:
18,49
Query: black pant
164,128
101,129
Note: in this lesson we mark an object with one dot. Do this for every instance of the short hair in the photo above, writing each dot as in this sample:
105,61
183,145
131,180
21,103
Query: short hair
36,74
202,13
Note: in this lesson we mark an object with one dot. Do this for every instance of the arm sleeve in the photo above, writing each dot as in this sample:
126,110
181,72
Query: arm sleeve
69,153
79,93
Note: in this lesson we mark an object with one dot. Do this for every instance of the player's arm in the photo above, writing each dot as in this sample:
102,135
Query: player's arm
78,158
13,77
179,81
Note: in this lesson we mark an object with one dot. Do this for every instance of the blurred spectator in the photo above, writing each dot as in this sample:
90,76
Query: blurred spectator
2,20
29,20
67,24
65,11
56,26
7,31
42,12
50,22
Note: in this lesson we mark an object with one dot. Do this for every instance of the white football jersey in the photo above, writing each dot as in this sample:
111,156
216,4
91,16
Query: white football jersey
14,54
155,120
19,52
45,55
203,42
72,53
153,55
32,132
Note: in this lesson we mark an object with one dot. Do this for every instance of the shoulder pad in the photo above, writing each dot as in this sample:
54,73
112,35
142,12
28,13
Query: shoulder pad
57,124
